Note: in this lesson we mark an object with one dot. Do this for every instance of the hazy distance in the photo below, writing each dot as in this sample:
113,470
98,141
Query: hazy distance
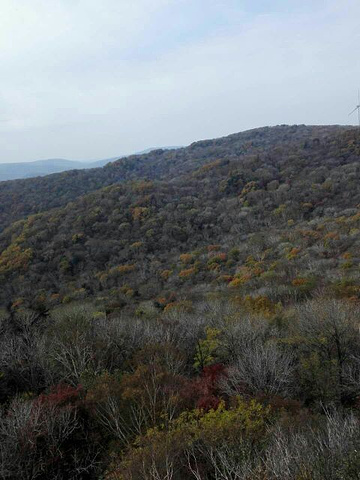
88,79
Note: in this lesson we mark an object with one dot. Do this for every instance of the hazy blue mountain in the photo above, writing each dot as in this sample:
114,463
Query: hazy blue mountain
12,171
40,168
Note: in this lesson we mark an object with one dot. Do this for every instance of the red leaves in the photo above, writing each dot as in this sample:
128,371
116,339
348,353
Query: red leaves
203,392
61,395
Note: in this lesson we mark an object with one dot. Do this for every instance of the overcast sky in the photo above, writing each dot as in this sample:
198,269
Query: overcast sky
88,79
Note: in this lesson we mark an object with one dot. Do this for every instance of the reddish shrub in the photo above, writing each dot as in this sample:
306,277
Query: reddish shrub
203,392
61,395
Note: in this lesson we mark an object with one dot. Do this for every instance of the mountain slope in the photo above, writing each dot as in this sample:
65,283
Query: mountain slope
293,207
23,197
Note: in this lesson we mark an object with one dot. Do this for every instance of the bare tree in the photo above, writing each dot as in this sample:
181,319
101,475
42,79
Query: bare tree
319,454
22,351
261,368
33,436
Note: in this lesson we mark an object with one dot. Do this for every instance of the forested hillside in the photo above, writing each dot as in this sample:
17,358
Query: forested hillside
285,197
23,197
184,314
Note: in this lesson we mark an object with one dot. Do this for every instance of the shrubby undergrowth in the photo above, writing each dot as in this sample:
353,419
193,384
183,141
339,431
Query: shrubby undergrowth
272,397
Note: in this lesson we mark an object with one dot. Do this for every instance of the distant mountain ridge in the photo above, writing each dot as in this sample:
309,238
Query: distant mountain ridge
23,197
41,168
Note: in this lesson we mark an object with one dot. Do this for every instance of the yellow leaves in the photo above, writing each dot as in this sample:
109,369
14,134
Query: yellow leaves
127,290
298,282
206,348
242,426
279,210
122,269
307,205
237,282
246,273
138,213
165,274
245,420
15,258
261,305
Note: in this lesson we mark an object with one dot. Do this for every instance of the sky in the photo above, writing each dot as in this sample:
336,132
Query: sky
90,79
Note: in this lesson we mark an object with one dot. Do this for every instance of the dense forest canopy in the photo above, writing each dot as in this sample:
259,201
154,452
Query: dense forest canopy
23,197
188,313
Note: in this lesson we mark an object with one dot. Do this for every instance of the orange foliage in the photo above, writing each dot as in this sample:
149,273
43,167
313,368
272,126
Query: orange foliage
136,245
220,257
122,269
187,273
294,252
186,258
298,282
331,236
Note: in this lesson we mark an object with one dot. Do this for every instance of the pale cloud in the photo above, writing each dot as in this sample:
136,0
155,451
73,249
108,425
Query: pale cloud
89,79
